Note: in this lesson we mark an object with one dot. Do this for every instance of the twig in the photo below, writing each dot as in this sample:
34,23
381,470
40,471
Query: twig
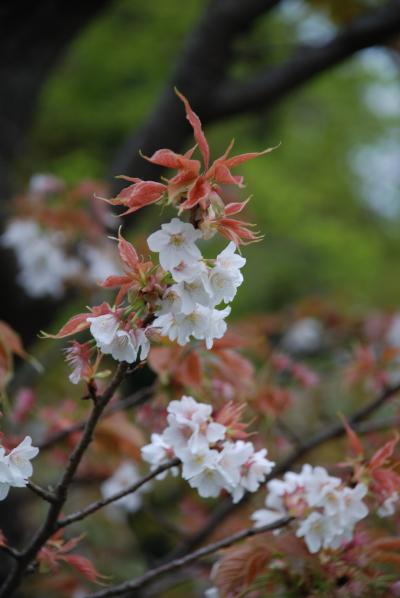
99,504
177,563
42,492
49,526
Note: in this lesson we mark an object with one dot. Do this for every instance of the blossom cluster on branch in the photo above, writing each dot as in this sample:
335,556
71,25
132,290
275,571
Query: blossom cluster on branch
211,461
325,508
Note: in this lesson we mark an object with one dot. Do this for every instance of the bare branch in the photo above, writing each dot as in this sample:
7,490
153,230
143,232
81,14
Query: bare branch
178,563
95,506
266,89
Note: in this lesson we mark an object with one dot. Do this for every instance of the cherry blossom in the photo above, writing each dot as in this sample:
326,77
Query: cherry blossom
157,453
16,467
326,509
210,462
175,242
104,328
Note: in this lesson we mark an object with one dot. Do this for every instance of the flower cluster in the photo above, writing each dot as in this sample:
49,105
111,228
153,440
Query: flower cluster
210,461
194,190
178,302
176,296
326,509
15,467
46,234
44,267
187,307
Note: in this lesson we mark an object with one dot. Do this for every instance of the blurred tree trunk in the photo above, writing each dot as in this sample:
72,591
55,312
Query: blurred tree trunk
33,37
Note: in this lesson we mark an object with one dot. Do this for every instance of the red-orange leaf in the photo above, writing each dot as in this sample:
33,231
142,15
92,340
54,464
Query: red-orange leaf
73,326
353,439
198,131
84,566
384,453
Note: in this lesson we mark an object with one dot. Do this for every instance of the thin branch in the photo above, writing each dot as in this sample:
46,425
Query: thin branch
49,526
265,89
134,400
178,563
332,432
378,426
99,504
42,492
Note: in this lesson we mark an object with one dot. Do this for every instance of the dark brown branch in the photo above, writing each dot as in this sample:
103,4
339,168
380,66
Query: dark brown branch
332,432
99,504
49,526
178,563
134,400
42,492
10,551
266,89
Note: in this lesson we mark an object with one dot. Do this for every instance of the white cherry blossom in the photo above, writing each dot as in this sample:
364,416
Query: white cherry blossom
158,452
186,271
175,242
104,328
5,476
19,462
123,346
316,530
229,260
223,285
187,411
216,325
191,293
266,517
210,481
255,471
194,463
354,509
170,304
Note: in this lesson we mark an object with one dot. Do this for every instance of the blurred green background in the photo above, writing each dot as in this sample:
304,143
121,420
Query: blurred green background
327,199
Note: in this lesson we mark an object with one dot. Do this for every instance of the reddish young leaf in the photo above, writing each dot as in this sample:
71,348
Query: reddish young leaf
189,371
138,195
198,131
84,566
197,194
235,207
169,159
127,252
11,339
73,326
353,439
384,453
